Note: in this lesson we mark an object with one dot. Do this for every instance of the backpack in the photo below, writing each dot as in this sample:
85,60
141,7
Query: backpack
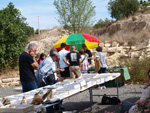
110,100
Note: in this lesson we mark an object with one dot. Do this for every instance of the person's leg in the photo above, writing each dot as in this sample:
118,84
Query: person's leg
103,70
65,74
27,86
125,106
23,86
71,69
100,71
77,71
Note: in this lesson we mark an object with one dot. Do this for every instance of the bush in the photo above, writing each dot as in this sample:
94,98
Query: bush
113,29
103,23
138,69
14,33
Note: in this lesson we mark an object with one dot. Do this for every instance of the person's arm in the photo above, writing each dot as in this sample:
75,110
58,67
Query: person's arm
80,62
97,58
90,55
65,60
35,65
58,70
58,64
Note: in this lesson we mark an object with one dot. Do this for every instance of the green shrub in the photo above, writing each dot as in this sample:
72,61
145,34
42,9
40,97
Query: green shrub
103,23
14,33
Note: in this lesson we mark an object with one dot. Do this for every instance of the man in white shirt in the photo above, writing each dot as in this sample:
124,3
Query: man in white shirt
65,74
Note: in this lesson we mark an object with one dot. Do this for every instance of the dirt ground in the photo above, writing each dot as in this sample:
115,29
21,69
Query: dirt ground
11,73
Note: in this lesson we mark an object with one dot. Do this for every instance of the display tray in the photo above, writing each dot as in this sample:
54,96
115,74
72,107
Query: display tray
17,108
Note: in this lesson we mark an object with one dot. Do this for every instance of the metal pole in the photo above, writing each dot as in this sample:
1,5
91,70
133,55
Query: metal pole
117,88
91,98
38,26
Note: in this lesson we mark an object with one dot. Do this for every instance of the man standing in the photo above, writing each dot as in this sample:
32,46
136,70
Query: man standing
62,54
87,52
27,64
75,62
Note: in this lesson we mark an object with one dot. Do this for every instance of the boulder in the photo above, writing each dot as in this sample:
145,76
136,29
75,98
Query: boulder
144,45
107,44
101,44
112,49
105,49
14,83
134,48
135,54
120,49
112,62
115,56
115,44
16,79
7,80
123,55
3,85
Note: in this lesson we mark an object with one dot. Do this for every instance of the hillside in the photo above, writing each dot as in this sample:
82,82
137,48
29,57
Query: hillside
130,30
124,38
47,38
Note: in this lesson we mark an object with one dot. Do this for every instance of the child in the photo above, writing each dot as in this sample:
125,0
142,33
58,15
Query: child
42,57
84,62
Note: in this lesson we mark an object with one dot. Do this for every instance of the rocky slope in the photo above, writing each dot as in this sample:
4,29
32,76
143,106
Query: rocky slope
126,38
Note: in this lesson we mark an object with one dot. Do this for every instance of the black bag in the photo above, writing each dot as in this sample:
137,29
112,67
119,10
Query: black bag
51,78
110,100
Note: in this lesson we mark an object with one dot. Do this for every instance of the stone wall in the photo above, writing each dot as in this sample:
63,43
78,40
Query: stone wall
9,82
115,52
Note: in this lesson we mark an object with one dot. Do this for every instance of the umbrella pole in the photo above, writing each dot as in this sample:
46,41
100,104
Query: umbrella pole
76,46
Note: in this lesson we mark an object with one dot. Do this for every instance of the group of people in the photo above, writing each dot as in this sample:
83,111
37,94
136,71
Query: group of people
70,64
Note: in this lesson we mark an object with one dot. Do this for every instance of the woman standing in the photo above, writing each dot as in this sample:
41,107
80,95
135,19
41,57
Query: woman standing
102,57
84,62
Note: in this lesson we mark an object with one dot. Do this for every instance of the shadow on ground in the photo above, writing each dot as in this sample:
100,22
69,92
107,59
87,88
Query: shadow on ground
79,106
114,108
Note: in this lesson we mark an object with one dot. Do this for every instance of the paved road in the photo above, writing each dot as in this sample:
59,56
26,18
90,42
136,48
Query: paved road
81,101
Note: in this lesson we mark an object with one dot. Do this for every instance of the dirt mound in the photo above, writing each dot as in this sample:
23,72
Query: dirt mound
47,39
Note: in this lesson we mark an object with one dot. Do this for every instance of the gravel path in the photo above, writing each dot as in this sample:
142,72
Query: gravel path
80,101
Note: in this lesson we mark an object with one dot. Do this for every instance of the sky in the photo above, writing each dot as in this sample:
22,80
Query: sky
46,11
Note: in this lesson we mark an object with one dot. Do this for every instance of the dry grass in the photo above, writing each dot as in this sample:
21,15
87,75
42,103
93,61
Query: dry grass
138,69
131,38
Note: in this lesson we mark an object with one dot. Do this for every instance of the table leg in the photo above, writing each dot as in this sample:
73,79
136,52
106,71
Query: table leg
117,89
91,98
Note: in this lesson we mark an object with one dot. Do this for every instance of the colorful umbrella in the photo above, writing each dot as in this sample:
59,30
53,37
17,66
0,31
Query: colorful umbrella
78,40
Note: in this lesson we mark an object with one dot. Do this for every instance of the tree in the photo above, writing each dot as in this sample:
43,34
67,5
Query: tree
14,33
122,8
75,15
